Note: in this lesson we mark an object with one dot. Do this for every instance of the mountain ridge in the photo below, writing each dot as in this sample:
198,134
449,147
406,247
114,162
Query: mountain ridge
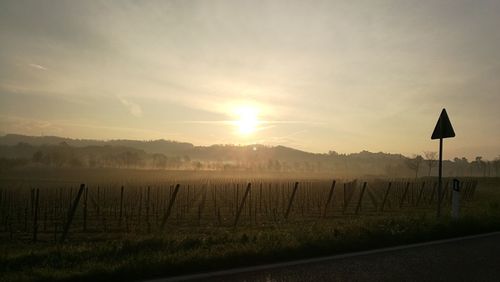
162,146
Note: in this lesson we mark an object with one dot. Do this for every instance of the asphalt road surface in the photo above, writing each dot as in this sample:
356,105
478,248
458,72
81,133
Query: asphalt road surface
473,259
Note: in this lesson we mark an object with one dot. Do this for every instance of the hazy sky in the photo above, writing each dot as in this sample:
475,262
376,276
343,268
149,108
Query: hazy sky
319,75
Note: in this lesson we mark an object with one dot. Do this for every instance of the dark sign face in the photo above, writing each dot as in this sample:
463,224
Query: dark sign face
443,127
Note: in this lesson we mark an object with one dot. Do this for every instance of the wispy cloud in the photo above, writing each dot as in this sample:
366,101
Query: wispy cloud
133,108
37,66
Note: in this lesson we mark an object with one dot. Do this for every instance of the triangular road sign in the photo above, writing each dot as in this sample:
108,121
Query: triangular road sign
443,127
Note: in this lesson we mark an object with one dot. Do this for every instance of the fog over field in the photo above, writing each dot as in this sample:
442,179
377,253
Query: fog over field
28,152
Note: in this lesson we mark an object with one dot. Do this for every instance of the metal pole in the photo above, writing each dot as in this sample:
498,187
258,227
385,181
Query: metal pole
440,180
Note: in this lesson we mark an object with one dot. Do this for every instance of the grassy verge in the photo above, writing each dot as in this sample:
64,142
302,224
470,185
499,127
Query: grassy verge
186,251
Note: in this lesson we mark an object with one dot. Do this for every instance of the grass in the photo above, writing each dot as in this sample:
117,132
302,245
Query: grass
188,250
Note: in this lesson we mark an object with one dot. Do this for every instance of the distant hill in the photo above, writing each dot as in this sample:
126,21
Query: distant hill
205,153
53,151
165,147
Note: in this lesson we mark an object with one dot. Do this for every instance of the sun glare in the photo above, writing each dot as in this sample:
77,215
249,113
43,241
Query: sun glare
247,120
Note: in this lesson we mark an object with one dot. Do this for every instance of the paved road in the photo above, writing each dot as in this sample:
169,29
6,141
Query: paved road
476,259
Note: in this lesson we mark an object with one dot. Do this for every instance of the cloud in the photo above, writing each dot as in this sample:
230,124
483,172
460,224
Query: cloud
37,66
134,109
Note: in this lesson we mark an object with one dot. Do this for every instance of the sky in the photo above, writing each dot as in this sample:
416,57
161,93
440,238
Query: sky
314,75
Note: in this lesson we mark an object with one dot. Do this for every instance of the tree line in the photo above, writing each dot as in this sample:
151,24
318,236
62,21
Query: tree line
266,160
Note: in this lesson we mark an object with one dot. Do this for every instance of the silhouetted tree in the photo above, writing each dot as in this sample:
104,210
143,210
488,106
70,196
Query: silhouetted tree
431,159
159,161
496,165
414,163
37,157
481,165
460,165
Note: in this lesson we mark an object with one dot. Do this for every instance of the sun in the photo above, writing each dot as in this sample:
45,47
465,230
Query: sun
248,121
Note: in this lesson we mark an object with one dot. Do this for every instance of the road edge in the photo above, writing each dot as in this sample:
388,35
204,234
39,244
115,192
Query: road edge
239,270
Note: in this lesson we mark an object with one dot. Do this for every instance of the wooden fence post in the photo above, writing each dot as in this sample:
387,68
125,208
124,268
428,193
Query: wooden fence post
260,198
420,193
240,208
474,187
405,192
32,201
201,207
85,200
444,193
147,210
72,213
471,188
433,193
344,196
169,207
121,207
358,206
385,196
98,204
35,215
330,197
465,190
291,200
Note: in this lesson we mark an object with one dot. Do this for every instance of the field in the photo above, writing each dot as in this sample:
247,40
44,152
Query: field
100,225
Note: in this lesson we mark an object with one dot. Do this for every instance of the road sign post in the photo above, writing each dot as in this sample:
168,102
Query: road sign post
443,129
